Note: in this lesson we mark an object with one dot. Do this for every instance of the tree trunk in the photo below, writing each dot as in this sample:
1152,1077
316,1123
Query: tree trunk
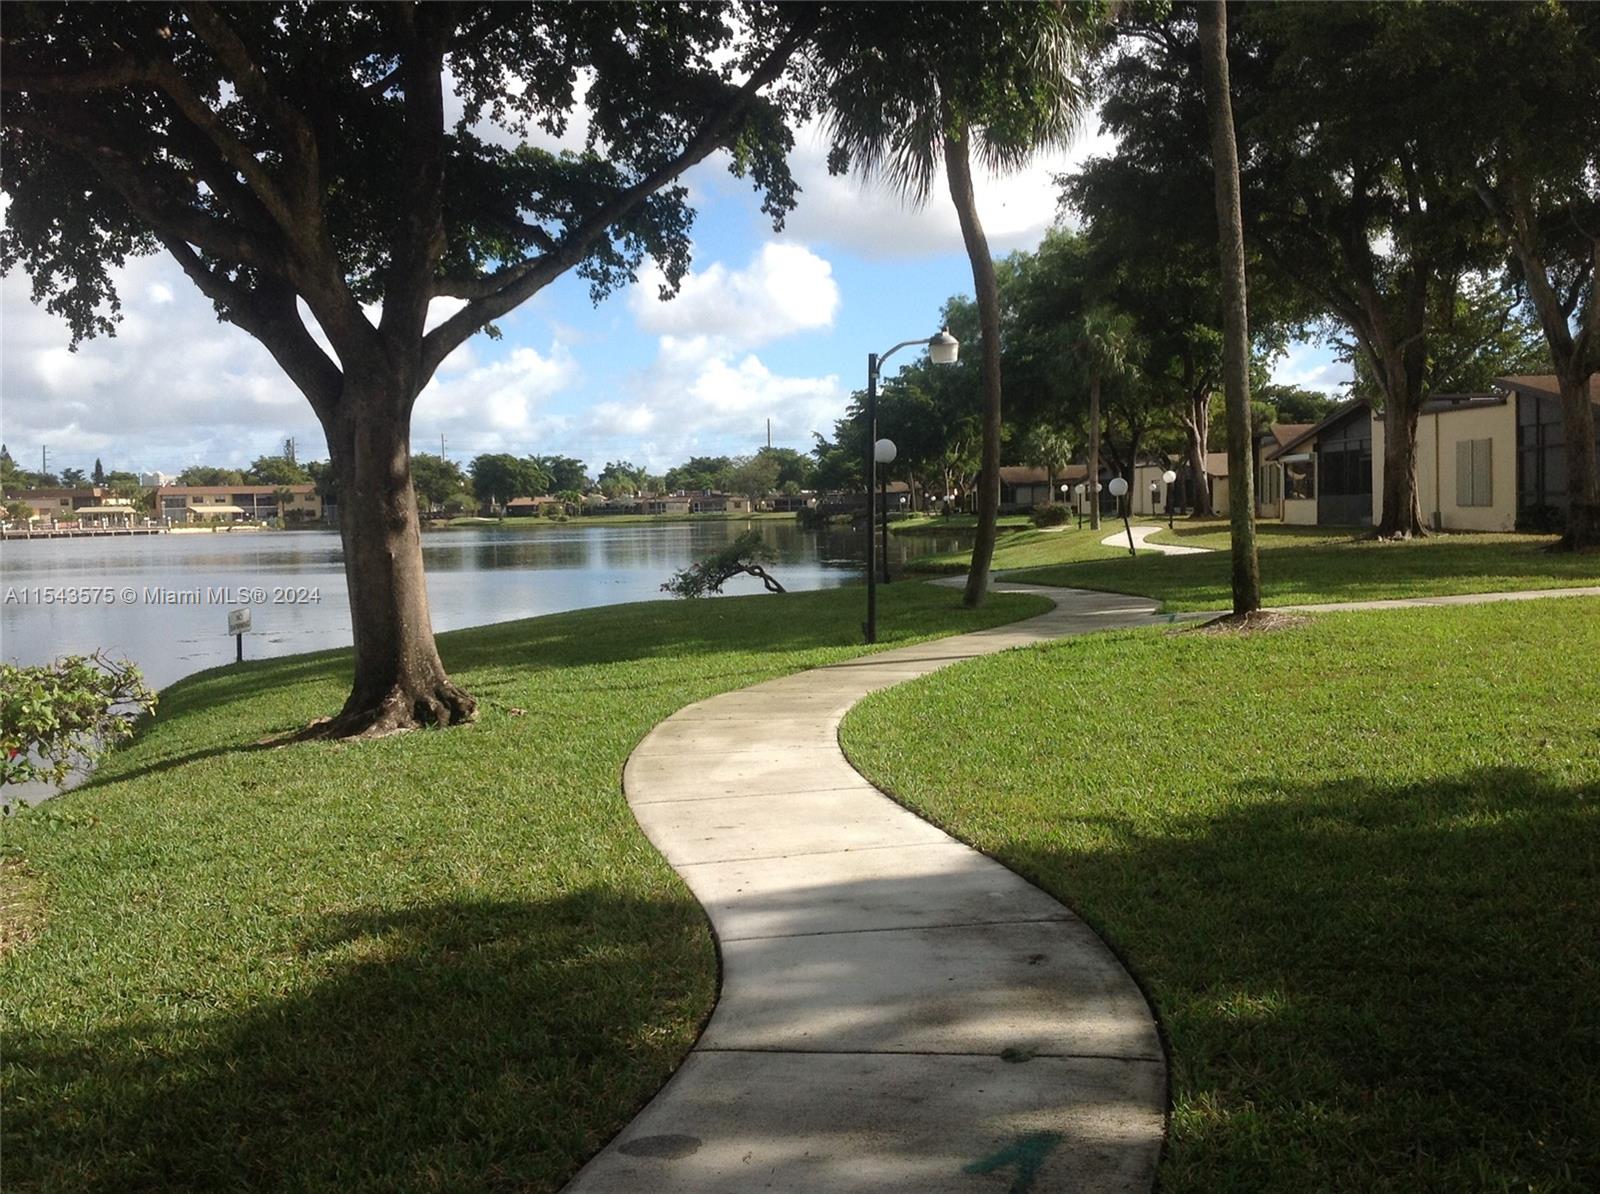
1198,428
400,682
1236,333
1092,483
958,171
1401,509
1583,479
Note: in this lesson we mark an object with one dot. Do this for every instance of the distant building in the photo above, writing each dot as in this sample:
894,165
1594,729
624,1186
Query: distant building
241,503
156,480
87,502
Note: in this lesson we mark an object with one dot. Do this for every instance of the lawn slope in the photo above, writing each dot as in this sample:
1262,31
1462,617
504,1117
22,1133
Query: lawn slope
1303,569
1354,864
440,961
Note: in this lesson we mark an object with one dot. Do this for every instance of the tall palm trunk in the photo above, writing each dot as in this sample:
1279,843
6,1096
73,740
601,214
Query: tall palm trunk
958,171
1236,327
1092,482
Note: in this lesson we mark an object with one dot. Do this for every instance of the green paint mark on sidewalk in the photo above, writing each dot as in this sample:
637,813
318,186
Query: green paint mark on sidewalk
1027,1154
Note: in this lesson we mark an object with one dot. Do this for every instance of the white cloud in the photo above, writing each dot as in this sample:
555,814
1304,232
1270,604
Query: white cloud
872,221
702,397
1313,368
176,387
785,289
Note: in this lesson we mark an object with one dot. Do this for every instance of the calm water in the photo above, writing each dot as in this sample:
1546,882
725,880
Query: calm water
475,576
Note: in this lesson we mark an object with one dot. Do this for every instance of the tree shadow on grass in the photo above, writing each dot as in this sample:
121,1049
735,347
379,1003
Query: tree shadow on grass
466,1045
1366,985
1353,570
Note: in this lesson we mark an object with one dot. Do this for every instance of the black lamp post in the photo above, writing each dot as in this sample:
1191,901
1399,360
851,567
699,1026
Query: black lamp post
1168,478
943,349
884,452
1119,487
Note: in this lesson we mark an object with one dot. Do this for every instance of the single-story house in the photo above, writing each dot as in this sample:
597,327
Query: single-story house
1485,462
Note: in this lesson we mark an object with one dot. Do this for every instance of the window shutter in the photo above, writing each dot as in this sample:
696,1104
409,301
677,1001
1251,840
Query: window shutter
1482,477
1464,455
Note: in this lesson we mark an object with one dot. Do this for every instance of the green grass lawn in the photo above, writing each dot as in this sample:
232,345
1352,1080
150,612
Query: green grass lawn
1355,865
918,524
439,961
1297,568
1025,547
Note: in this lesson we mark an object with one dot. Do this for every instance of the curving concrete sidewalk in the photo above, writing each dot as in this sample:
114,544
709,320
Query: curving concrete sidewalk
898,1012
1143,532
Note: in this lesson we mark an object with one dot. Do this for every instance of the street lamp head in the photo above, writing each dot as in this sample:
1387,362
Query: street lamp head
1119,486
1078,488
884,451
943,348
1169,476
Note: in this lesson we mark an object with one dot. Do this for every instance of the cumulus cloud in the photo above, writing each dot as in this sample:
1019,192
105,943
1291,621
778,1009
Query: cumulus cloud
1313,368
785,289
700,398
172,387
872,221
176,387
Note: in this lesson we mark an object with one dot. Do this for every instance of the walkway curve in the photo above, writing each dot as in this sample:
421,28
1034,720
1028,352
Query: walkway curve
898,1011
1143,532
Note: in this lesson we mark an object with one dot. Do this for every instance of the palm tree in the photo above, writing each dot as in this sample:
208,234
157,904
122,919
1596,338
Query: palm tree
1235,321
910,85
1047,448
1101,345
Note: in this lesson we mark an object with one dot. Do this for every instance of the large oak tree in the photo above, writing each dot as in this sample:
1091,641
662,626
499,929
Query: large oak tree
303,158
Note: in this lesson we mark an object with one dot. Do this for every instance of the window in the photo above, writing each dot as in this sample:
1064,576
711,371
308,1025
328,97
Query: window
1299,480
1474,476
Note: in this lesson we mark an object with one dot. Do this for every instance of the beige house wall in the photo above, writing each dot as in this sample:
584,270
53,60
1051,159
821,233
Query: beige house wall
1437,436
1300,512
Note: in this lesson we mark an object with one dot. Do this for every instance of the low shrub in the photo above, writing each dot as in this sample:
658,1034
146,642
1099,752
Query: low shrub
1051,514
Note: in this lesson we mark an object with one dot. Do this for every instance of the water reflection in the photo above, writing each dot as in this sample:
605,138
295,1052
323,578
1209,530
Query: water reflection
475,576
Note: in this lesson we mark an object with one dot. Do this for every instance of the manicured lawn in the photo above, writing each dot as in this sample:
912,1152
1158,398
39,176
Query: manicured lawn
1355,865
1028,548
920,525
442,961
1297,570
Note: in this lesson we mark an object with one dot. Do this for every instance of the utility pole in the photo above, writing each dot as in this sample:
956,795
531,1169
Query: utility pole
441,446
44,461
769,435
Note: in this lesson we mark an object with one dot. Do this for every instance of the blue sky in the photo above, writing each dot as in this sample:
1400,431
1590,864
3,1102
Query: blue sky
768,326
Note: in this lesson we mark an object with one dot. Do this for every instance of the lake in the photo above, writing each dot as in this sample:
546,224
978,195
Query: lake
175,625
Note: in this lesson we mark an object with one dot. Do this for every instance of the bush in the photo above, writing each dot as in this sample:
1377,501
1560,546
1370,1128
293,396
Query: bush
58,716
1051,514
1542,520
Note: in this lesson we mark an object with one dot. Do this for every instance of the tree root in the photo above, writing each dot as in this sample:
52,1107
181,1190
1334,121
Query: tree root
396,711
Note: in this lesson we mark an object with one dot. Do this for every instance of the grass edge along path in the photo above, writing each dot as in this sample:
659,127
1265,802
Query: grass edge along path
1298,570
1353,863
443,960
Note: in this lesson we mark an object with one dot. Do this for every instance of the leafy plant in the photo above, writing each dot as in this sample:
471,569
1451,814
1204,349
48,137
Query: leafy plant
1051,514
746,554
58,716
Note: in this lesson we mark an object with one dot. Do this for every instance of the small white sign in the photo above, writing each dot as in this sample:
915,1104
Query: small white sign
238,621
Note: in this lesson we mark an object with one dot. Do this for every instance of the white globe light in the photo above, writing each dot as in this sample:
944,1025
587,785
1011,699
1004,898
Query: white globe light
884,451
1118,486
1078,488
1169,476
944,348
